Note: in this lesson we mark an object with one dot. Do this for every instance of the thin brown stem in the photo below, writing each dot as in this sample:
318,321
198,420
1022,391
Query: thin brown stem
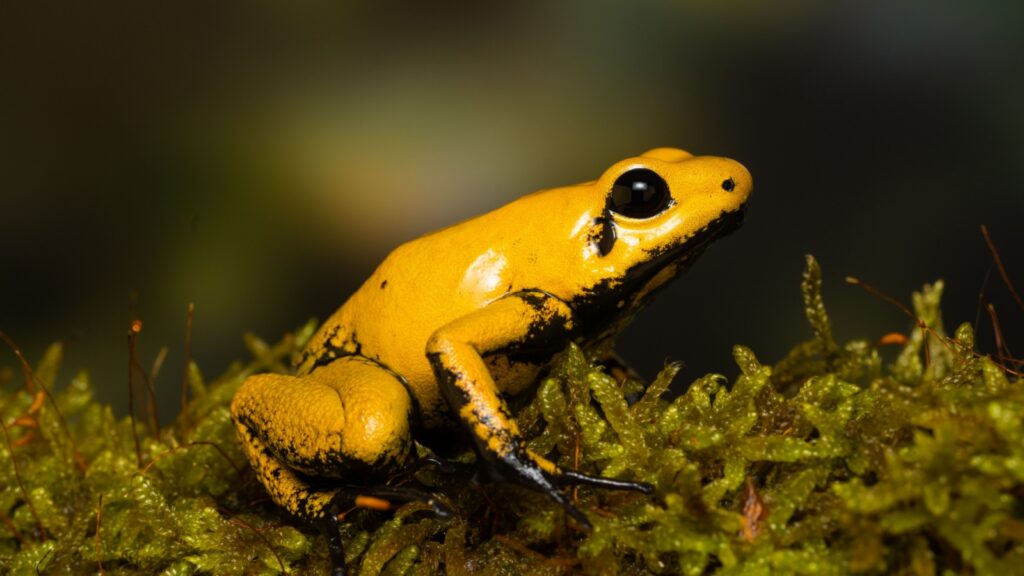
947,342
999,266
261,536
30,384
188,355
26,369
154,418
879,294
133,332
21,483
96,539
238,469
12,528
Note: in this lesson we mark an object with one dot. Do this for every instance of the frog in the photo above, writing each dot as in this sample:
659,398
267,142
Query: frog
453,324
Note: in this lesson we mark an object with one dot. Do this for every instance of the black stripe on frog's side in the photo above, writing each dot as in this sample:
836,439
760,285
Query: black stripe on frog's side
329,352
607,302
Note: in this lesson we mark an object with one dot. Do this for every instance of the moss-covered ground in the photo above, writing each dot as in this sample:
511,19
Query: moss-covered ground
829,461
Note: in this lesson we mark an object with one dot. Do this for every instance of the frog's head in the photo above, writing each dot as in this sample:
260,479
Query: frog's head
661,210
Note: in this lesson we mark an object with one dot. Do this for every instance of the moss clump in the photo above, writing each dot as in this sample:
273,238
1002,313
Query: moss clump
830,461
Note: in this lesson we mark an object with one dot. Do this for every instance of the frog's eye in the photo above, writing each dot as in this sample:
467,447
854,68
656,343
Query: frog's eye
639,193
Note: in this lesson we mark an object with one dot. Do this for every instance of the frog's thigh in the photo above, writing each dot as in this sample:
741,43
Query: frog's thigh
349,419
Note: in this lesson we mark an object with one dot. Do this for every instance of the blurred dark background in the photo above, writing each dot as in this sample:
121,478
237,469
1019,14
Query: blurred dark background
260,160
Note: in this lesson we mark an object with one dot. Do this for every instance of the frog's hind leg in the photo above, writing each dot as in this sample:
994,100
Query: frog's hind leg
348,421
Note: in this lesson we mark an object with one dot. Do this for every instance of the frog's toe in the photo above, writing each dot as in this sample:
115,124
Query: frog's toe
347,499
402,494
440,509
571,477
570,509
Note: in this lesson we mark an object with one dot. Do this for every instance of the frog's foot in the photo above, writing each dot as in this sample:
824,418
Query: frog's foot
538,473
345,500
382,498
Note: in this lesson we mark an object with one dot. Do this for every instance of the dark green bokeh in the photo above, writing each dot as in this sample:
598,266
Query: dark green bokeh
259,160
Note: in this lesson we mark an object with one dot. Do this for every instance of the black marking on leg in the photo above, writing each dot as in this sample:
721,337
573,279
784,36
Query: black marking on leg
545,336
446,382
517,467
328,467
458,397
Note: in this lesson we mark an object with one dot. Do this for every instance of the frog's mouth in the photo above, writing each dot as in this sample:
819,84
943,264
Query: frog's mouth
602,303
722,226
675,259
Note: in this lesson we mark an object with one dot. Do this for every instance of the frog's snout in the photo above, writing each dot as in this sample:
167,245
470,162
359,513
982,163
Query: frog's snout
735,180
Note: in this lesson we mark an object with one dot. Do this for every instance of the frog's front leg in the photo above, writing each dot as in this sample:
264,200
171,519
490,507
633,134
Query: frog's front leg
520,323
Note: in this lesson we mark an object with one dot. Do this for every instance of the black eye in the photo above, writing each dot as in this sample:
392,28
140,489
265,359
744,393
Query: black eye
639,193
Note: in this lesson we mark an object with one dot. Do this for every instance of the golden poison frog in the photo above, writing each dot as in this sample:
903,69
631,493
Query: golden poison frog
452,323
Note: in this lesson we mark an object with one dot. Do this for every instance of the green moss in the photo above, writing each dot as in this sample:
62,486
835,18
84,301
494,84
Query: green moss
830,461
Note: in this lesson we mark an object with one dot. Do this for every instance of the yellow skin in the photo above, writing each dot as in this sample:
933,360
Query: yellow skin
451,323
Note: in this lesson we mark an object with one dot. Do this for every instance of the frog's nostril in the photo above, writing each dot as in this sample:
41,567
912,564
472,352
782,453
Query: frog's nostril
728,184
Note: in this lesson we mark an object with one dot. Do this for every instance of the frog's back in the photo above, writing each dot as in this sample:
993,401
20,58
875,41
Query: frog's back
416,290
